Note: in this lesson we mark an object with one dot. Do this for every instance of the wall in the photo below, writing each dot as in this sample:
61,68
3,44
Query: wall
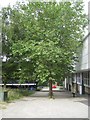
87,90
89,36
84,53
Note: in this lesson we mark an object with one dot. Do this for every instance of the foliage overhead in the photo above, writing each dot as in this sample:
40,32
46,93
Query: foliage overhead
43,38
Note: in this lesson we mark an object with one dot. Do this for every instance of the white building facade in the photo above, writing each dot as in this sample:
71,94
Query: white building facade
81,78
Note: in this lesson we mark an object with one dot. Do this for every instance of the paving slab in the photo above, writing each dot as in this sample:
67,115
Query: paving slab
39,105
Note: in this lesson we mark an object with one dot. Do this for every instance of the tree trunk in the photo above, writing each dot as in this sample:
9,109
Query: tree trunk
50,89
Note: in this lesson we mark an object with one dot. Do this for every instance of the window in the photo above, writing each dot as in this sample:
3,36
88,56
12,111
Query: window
85,78
89,78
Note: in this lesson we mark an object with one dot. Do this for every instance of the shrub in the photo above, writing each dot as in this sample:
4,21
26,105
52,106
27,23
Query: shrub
18,93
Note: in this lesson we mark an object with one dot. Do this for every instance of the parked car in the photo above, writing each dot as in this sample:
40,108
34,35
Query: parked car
54,86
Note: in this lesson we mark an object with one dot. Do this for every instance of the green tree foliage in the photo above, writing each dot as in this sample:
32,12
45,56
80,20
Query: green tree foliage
9,64
44,37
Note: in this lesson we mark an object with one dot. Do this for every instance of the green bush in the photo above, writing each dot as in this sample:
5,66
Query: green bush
18,93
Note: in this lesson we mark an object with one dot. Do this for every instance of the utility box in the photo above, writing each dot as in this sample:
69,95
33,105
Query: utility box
3,95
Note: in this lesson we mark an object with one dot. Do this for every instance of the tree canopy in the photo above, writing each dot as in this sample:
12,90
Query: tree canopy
42,38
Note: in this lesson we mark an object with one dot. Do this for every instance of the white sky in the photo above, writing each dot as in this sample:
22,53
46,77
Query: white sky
4,3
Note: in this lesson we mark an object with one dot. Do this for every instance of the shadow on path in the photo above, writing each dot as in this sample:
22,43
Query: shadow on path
58,95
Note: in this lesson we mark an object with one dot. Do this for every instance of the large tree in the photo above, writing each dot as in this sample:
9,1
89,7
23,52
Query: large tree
44,36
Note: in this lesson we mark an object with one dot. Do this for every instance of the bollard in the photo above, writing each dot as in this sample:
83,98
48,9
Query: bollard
73,94
5,96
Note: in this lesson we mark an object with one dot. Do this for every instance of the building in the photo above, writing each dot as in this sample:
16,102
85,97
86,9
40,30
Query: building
81,78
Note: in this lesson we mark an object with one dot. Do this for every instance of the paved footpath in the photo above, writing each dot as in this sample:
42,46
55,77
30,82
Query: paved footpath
40,106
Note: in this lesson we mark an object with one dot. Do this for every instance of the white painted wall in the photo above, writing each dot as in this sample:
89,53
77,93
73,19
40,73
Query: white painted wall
84,57
89,36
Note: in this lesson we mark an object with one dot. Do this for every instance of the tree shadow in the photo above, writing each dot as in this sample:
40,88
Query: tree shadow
85,102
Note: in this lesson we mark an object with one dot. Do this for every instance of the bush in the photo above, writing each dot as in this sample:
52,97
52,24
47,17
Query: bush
18,93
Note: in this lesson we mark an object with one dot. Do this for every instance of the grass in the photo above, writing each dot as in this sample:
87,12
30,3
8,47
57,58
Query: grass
3,105
14,94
